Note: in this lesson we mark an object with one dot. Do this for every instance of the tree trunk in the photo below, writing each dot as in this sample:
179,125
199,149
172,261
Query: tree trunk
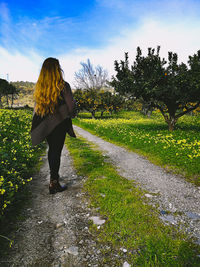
169,119
93,114
12,100
171,126
149,113
144,110
171,123
102,114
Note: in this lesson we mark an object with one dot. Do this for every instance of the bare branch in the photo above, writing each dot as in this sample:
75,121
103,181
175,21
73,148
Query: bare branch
89,77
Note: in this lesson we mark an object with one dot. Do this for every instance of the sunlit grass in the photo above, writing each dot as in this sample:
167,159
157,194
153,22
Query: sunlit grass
17,156
178,151
130,222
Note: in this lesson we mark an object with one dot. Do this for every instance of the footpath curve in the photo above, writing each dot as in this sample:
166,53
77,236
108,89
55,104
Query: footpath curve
178,200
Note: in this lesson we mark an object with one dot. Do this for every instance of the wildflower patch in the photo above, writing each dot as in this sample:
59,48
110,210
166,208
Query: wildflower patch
17,156
178,150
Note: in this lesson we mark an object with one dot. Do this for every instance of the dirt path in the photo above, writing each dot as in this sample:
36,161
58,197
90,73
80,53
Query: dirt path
55,232
179,201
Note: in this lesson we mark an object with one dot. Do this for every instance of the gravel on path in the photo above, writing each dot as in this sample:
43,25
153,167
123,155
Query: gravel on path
179,200
55,231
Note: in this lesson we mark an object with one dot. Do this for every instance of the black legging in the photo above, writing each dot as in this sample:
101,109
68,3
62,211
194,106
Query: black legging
56,141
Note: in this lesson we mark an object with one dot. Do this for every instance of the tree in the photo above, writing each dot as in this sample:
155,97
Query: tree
13,91
123,82
89,77
109,102
173,89
7,89
116,103
4,85
78,96
93,100
87,100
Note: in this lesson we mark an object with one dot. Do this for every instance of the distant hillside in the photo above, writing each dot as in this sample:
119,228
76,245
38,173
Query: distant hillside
24,86
25,96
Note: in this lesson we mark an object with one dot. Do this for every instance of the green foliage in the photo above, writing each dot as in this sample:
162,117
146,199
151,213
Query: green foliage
98,100
124,80
3,86
17,155
20,84
87,100
7,89
130,222
174,88
178,151
110,102
24,87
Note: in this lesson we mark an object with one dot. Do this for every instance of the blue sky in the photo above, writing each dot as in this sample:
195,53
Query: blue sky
101,30
58,26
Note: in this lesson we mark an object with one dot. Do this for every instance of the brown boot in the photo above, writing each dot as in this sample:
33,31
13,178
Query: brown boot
55,187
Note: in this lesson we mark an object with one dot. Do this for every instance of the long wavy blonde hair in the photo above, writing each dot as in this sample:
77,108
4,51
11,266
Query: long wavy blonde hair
48,87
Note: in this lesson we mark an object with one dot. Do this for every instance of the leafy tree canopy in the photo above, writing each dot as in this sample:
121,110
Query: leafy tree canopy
171,87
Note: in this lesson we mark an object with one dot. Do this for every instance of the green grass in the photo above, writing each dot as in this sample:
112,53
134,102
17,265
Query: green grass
18,159
178,151
18,162
130,222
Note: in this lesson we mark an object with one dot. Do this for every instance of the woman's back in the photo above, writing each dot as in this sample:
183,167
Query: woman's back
54,106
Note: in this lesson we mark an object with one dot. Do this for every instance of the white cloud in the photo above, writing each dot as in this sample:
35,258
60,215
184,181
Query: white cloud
182,37
18,66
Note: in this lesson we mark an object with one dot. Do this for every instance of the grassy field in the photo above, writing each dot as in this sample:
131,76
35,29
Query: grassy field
130,222
177,151
17,156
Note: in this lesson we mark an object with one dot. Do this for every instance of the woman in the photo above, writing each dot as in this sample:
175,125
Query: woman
54,108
